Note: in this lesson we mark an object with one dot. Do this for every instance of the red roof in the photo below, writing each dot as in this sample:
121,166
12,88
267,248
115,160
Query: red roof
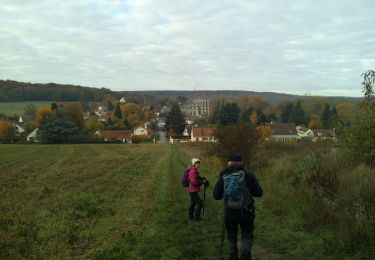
203,132
116,134
323,132
283,128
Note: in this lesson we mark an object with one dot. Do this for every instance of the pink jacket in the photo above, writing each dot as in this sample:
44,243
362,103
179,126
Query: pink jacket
195,183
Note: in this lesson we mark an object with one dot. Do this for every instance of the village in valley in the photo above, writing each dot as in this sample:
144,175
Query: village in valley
170,121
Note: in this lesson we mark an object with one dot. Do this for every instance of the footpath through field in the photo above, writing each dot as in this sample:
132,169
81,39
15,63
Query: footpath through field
103,202
171,235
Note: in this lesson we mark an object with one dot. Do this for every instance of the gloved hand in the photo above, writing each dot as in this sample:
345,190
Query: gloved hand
206,183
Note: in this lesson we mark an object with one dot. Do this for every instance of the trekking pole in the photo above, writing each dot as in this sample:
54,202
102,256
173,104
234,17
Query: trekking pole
204,199
221,249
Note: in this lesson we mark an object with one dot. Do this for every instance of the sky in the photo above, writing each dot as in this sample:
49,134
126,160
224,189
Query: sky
297,47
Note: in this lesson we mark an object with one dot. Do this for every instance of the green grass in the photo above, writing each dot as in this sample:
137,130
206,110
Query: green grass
18,108
101,202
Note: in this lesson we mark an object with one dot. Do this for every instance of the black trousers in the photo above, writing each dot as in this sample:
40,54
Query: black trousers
196,205
247,226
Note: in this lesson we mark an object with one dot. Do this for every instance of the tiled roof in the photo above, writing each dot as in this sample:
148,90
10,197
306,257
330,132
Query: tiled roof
115,134
323,132
283,128
203,132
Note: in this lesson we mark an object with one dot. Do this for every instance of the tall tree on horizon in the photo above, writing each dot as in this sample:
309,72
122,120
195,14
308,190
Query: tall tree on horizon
118,113
229,114
326,116
286,112
175,120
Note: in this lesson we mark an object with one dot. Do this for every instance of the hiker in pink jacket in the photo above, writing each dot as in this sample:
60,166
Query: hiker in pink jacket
195,181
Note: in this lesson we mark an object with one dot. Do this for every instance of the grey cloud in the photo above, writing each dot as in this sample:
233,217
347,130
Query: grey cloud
283,46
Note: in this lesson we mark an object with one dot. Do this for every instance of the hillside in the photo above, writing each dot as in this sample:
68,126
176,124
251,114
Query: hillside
21,91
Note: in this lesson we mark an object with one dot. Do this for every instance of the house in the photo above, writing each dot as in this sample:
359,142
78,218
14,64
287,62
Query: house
140,131
202,134
323,134
122,100
19,130
124,136
33,136
284,132
304,132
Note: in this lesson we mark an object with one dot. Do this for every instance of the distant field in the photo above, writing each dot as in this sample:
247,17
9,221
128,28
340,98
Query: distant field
11,108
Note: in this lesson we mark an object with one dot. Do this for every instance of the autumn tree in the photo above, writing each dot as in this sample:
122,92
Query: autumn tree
76,113
265,131
92,124
345,110
245,115
42,114
314,123
133,113
7,131
243,139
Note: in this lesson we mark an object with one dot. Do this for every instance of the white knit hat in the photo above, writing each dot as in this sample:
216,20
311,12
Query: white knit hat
194,160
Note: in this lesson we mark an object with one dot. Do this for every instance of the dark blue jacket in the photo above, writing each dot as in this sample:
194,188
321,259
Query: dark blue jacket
252,185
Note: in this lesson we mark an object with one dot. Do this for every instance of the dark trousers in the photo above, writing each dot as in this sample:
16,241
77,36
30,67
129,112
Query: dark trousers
196,205
247,226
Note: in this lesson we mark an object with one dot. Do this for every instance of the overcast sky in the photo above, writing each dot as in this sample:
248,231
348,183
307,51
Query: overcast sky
298,47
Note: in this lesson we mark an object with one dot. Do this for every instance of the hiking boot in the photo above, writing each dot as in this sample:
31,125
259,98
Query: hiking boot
245,257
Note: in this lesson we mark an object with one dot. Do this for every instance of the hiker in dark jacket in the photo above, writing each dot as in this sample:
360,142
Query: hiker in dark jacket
195,182
239,217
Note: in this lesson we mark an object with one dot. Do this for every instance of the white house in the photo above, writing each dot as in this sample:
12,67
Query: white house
32,137
140,131
304,132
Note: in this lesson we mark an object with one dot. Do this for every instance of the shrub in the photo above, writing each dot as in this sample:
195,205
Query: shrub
136,139
243,139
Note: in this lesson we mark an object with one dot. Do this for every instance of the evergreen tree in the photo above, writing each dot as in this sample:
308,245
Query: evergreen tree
229,114
298,115
118,111
326,116
109,105
333,118
60,128
286,113
175,120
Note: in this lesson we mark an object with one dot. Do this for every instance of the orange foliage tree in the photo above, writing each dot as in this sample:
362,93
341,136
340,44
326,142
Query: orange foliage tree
42,114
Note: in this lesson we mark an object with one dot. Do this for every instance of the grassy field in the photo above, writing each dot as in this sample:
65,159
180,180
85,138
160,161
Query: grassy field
18,108
101,202
126,202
